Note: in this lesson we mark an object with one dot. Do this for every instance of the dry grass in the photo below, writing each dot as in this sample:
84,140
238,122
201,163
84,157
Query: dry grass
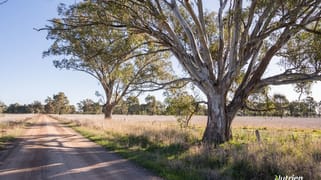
12,126
14,117
241,121
164,131
160,144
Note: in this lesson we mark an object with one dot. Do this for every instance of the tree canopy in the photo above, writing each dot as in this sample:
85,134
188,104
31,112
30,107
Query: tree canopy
88,106
233,55
226,53
58,104
124,63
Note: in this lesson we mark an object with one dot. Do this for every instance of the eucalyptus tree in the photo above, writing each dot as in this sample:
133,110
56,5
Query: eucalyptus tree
49,106
58,104
311,105
245,40
151,105
61,103
133,105
88,106
36,107
281,103
124,63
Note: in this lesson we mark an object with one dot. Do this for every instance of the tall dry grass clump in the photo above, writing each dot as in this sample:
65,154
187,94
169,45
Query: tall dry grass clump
10,128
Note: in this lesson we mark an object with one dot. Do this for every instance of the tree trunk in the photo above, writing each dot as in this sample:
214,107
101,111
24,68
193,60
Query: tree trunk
108,111
218,129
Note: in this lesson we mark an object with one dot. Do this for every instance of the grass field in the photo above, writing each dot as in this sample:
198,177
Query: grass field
288,146
14,117
260,122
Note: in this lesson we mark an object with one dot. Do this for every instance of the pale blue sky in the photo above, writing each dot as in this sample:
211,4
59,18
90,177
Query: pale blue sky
25,76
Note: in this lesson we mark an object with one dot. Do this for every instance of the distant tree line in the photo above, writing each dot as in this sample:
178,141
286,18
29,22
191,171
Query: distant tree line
171,106
57,104
279,105
180,104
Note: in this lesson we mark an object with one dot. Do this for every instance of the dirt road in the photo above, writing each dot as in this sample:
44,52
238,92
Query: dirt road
48,150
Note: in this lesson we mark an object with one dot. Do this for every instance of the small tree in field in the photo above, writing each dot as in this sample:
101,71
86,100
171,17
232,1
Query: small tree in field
226,54
123,63
183,105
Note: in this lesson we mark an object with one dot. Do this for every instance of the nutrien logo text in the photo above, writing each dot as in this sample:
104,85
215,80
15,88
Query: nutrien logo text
279,177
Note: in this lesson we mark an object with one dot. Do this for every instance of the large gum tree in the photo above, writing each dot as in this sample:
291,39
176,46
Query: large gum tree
226,54
229,62
123,63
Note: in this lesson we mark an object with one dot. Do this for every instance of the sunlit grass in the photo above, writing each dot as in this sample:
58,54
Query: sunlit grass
11,129
176,153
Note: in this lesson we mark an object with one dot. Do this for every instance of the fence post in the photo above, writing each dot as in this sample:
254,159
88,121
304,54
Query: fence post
258,136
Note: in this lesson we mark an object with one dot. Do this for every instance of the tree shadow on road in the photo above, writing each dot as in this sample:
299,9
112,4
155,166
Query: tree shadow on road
54,156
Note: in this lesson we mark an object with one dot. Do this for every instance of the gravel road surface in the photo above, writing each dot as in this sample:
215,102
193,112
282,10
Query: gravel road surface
49,150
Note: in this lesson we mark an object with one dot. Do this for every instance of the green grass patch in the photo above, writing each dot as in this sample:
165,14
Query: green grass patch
4,140
151,155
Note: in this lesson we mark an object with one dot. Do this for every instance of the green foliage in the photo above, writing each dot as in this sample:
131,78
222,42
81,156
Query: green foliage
59,104
123,62
88,106
151,104
49,106
280,103
121,108
182,105
262,104
37,107
227,55
133,105
302,53
17,108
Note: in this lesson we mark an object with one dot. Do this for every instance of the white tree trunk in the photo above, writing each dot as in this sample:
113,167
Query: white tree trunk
218,123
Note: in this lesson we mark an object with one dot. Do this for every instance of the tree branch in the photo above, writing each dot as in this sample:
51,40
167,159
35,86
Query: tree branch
194,48
2,2
221,41
263,110
287,78
160,86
